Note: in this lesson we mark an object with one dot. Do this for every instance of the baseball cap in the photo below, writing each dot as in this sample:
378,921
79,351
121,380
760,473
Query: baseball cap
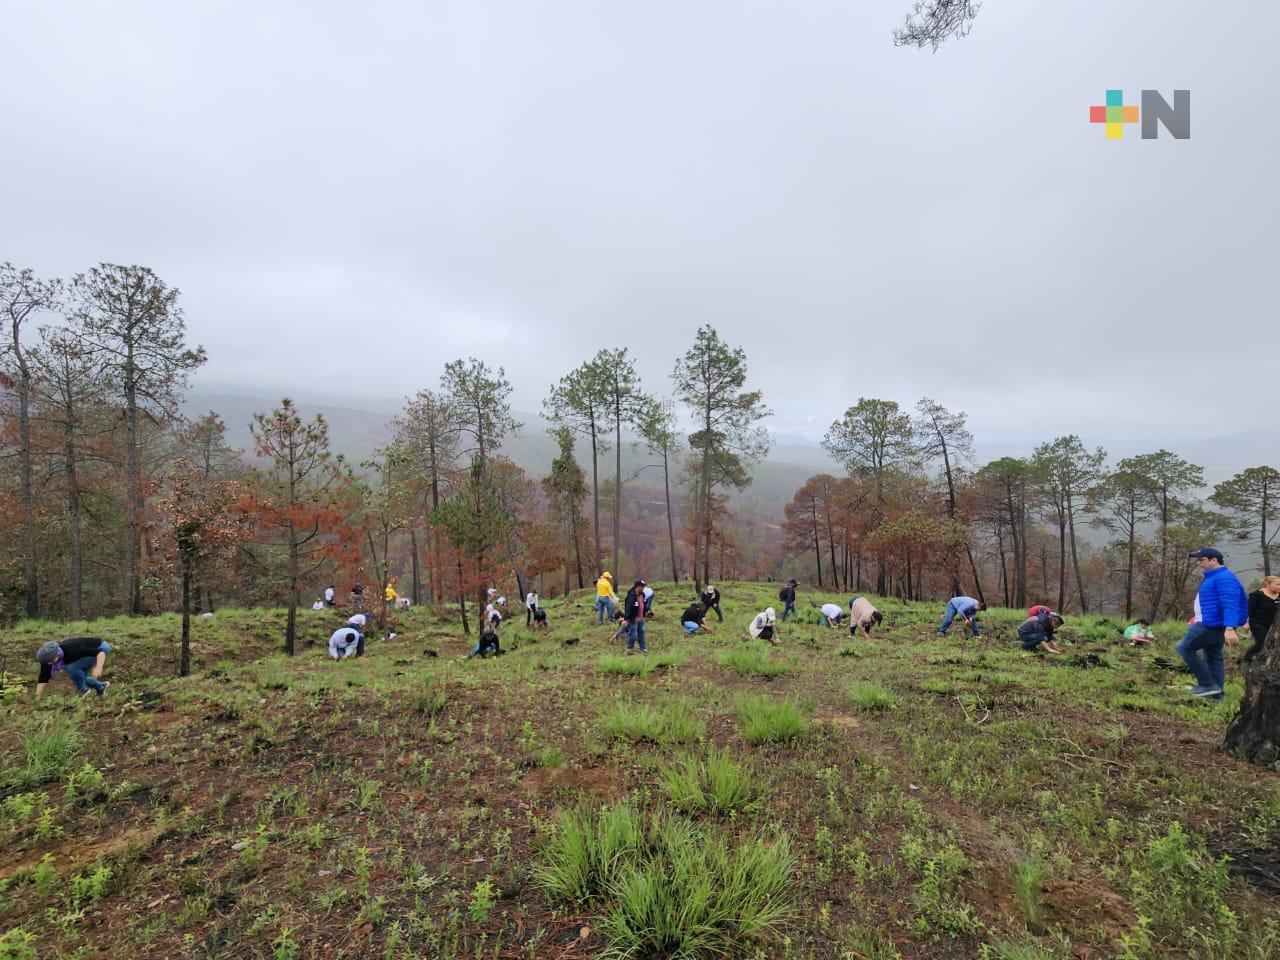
47,653
640,583
1210,552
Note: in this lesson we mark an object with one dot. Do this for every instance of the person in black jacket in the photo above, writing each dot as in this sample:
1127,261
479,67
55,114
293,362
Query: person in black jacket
633,612
81,657
1262,614
711,600
788,597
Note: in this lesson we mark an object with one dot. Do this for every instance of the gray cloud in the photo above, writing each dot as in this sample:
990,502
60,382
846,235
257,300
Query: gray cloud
353,197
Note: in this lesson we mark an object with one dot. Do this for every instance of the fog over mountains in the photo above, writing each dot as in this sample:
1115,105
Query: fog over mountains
358,425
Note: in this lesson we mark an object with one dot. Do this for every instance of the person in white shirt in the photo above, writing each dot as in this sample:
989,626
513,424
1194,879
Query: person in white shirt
831,614
318,605
329,596
358,620
492,615
530,607
765,627
345,642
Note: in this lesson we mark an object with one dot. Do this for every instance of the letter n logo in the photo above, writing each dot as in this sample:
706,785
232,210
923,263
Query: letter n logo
1156,110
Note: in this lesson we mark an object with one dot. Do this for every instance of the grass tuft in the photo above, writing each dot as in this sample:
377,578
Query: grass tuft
753,660
869,695
674,722
765,720
718,784
50,748
669,887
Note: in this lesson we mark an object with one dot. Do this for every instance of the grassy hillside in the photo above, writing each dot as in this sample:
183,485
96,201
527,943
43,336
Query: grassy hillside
903,796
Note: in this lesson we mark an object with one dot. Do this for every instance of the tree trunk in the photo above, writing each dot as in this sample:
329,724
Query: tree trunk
1254,734
184,661
291,624
416,588
671,529
29,562
595,493
817,541
1062,563
1128,579
1075,558
617,491
74,544
977,580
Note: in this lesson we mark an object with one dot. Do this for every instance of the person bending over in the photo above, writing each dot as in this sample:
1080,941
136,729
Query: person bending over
1036,633
488,644
765,627
966,608
345,642
711,601
1139,634
692,619
82,658
863,616
830,615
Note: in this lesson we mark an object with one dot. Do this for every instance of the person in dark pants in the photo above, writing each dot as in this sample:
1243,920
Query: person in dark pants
788,597
1036,633
345,642
1221,606
1262,614
488,644
81,657
633,611
711,601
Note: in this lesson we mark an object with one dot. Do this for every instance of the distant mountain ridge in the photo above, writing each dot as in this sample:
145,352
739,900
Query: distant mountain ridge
358,426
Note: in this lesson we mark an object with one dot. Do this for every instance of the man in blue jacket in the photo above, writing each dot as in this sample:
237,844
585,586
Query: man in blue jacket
1221,606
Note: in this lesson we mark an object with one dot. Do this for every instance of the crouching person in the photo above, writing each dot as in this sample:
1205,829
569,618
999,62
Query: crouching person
345,642
764,627
81,657
1036,633
488,644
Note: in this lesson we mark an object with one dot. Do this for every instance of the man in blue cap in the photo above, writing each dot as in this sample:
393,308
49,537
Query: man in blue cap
1221,606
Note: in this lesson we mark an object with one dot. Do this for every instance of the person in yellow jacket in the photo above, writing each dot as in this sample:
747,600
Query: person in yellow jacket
391,594
606,599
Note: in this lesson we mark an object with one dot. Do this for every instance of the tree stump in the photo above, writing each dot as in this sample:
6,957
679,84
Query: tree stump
1254,734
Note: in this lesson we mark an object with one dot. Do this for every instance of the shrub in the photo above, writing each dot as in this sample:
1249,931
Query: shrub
17,944
868,695
765,720
50,748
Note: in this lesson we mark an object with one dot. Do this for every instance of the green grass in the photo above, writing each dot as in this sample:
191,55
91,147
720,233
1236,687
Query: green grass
49,747
765,720
717,784
753,660
668,887
868,695
637,666
673,722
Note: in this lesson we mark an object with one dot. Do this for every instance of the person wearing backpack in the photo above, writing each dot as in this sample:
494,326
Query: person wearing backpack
788,597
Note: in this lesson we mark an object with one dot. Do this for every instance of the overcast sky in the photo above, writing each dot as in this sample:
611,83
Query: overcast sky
350,195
